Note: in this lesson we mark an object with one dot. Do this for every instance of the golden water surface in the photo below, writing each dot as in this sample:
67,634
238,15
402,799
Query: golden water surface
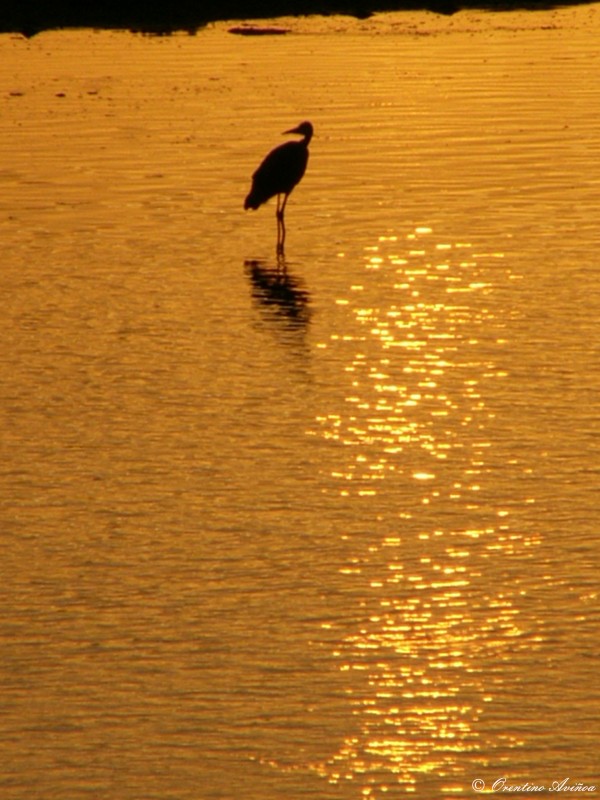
317,527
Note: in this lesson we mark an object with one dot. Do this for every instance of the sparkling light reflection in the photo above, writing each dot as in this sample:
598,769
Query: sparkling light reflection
422,384
424,340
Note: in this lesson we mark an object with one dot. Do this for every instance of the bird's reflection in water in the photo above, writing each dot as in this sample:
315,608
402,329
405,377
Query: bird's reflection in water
279,292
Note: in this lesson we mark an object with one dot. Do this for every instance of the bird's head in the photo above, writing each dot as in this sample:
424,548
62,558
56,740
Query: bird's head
304,129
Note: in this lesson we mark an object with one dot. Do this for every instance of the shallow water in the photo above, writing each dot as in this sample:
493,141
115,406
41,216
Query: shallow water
319,527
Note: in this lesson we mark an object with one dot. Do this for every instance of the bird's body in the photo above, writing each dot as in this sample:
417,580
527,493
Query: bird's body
281,170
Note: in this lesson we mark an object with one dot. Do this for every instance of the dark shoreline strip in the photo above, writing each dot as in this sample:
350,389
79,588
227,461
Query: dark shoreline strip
29,17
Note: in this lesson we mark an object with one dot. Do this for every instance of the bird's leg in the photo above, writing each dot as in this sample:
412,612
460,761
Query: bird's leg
281,264
282,221
280,225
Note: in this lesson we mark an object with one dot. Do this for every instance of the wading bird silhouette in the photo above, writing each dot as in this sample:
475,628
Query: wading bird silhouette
279,172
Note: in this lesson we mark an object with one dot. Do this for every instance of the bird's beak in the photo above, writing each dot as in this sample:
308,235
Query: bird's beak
292,130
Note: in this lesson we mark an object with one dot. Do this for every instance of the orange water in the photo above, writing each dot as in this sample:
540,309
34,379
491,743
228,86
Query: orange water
325,528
